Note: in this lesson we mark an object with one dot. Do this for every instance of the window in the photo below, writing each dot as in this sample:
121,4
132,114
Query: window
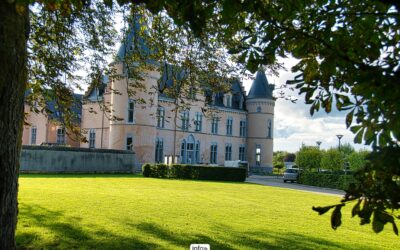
33,135
197,153
258,109
269,132
129,142
190,151
92,138
229,123
242,153
159,150
228,152
198,121
131,109
243,128
185,120
160,117
183,151
213,154
228,100
61,136
258,155
214,125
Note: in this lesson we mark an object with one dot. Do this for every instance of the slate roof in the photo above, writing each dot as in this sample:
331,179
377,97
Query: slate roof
76,108
127,44
260,87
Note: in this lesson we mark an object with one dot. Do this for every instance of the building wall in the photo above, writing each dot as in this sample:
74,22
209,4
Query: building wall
93,117
38,120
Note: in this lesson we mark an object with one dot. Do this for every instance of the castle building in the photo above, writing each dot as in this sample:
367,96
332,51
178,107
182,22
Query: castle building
241,127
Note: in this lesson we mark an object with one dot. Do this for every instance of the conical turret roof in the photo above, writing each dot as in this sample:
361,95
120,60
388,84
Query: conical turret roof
260,87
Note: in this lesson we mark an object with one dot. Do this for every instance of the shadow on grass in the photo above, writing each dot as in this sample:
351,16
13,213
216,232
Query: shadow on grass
67,232
68,235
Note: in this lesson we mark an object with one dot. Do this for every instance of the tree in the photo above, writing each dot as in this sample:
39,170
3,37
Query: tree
278,157
346,149
332,159
357,159
289,157
309,158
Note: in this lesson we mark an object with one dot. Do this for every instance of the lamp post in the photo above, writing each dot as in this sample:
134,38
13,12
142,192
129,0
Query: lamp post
339,137
319,144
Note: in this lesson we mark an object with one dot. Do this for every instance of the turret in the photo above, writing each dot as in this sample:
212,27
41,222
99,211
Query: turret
260,106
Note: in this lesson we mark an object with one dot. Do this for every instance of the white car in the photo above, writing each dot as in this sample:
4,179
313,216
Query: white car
290,175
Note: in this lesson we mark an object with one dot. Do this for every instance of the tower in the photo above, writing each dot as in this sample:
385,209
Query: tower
135,128
260,118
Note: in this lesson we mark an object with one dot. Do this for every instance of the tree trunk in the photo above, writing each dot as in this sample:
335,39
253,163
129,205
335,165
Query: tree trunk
13,77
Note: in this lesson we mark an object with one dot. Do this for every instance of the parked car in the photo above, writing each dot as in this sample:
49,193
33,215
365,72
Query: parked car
290,175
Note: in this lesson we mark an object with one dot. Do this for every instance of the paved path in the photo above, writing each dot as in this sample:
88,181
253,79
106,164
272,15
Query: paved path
275,181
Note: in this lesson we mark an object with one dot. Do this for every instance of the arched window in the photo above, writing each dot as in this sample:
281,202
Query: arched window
258,109
190,150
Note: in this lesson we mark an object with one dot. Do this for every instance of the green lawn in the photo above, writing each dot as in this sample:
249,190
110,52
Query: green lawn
128,212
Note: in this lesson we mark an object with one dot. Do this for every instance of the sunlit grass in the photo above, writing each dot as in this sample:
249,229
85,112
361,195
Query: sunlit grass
127,212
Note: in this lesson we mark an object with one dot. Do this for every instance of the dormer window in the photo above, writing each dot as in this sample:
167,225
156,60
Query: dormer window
228,100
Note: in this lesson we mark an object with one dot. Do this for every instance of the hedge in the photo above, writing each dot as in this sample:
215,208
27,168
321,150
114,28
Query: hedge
328,180
194,172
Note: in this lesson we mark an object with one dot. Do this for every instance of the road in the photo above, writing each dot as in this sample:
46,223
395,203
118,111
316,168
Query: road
275,181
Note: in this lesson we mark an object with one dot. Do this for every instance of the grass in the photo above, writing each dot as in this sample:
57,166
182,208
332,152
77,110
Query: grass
128,212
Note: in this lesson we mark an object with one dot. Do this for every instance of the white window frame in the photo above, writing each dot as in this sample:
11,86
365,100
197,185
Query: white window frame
243,128
60,136
130,111
214,153
229,126
198,121
129,147
228,153
92,138
33,135
160,117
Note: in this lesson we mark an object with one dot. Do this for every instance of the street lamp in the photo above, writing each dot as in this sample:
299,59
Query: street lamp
339,137
319,144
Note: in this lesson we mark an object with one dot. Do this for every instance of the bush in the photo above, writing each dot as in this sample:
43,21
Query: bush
178,171
328,180
146,169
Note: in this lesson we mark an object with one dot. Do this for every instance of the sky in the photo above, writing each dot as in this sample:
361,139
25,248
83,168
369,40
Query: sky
293,124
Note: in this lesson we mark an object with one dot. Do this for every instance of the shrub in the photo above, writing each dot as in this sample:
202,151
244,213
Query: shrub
328,180
178,171
146,168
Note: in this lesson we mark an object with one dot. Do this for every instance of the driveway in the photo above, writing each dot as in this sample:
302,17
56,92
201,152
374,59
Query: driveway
275,181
